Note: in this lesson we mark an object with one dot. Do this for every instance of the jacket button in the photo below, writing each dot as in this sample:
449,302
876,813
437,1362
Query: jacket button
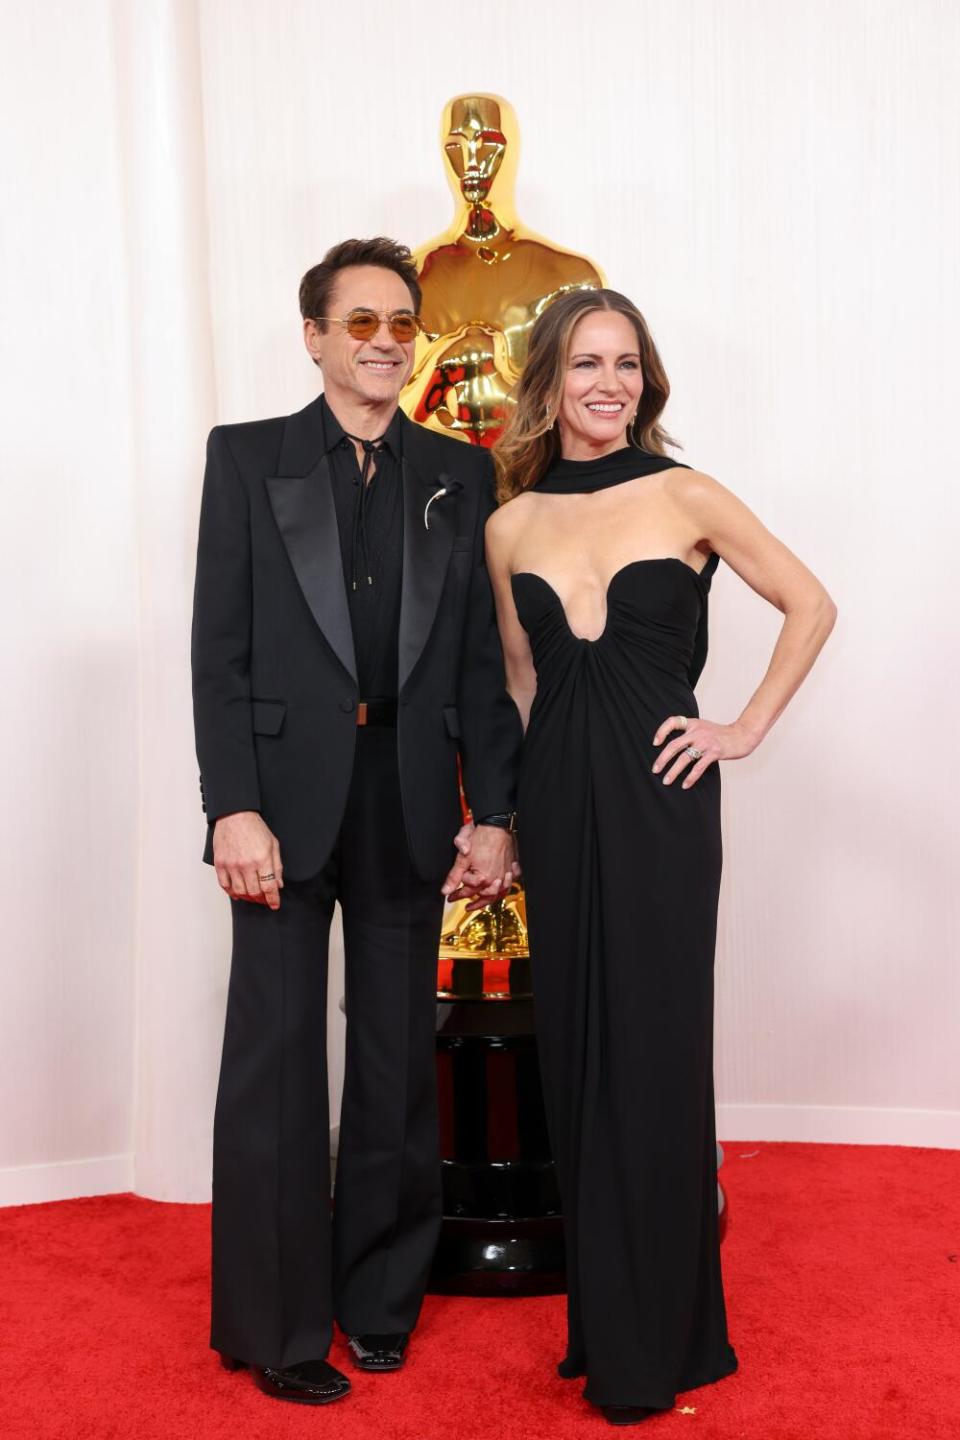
347,706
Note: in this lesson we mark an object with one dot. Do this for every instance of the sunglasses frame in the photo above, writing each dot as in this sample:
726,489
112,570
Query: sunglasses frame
380,319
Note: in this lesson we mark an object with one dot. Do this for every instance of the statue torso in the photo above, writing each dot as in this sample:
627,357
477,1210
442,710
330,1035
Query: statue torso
480,302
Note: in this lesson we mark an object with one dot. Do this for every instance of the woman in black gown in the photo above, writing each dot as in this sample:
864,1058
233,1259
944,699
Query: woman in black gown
601,556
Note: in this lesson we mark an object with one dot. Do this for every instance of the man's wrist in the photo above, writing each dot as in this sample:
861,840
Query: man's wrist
500,819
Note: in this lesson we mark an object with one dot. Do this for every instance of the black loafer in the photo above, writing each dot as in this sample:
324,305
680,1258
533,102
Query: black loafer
312,1382
378,1352
627,1414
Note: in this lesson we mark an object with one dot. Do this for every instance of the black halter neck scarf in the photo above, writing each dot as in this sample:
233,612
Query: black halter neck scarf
581,477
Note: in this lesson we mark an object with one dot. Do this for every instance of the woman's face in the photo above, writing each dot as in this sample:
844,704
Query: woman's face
602,385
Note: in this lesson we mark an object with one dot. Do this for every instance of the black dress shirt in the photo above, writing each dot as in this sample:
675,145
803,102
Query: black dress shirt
370,521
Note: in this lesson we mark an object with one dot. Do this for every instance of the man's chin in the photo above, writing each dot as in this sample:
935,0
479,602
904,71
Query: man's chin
382,387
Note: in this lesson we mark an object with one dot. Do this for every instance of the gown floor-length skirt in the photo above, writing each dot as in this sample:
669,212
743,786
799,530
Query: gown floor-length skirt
622,876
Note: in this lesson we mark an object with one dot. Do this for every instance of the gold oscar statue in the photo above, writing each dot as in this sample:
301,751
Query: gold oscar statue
484,281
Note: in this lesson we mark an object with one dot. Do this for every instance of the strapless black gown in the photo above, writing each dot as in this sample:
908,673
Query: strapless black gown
622,875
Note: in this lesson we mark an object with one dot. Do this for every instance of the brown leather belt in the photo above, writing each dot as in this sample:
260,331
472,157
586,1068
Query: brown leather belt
377,712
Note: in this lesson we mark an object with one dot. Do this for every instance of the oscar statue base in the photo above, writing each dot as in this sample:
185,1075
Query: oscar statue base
502,1232
499,1257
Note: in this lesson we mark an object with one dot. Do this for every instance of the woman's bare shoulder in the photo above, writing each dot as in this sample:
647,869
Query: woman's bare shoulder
508,518
695,489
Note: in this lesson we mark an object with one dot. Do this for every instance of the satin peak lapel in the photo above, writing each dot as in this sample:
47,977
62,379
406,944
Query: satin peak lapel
426,557
307,519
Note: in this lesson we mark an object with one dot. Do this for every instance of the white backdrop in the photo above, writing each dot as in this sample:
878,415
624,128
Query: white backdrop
777,186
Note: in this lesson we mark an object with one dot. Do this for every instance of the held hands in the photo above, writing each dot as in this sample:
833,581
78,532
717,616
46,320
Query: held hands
485,867
713,742
246,856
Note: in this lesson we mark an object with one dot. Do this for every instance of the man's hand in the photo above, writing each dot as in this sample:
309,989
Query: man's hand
246,856
486,866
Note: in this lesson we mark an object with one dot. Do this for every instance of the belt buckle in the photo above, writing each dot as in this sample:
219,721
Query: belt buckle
361,712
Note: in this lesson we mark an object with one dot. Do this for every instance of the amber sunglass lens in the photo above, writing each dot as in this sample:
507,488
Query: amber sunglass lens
361,324
403,328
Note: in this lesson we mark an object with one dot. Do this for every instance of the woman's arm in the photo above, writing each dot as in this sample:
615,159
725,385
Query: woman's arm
518,661
774,572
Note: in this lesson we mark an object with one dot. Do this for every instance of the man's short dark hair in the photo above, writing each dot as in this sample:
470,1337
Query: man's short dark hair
317,285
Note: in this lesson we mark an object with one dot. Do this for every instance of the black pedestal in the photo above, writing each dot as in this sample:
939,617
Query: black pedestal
501,1232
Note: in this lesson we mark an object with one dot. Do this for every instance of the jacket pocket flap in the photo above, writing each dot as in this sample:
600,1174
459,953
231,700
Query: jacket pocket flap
451,717
268,716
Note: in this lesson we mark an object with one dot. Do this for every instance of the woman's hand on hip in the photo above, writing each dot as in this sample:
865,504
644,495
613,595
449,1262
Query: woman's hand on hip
697,746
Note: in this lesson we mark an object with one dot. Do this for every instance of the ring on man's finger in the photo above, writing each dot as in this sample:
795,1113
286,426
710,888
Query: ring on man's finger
271,876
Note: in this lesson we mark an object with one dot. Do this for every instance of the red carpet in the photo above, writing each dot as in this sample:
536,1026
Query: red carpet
843,1287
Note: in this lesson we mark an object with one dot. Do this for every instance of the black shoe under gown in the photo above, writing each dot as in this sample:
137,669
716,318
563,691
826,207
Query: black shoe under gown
622,875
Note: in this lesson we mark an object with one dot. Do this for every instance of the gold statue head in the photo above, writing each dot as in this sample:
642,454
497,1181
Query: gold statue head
480,139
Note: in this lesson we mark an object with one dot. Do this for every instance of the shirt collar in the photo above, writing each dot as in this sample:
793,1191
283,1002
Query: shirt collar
334,433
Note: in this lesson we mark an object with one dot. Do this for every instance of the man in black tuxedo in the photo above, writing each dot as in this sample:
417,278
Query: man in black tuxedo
344,653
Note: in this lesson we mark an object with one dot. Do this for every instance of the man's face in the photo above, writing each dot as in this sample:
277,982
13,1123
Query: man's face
474,148
362,372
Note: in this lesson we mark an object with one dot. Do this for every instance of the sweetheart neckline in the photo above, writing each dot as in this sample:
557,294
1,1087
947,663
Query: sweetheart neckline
593,639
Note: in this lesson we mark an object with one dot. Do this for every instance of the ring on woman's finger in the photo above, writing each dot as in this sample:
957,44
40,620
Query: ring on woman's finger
682,722
693,752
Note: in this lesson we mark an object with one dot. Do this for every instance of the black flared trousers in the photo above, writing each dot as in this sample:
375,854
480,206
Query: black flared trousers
283,1267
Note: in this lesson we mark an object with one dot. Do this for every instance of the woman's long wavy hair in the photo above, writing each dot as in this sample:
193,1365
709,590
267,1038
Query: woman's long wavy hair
530,441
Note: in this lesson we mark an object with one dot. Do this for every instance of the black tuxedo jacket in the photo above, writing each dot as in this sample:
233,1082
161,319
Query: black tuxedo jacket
274,678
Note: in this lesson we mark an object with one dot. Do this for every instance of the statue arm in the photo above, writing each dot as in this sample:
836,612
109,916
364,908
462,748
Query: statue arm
472,354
